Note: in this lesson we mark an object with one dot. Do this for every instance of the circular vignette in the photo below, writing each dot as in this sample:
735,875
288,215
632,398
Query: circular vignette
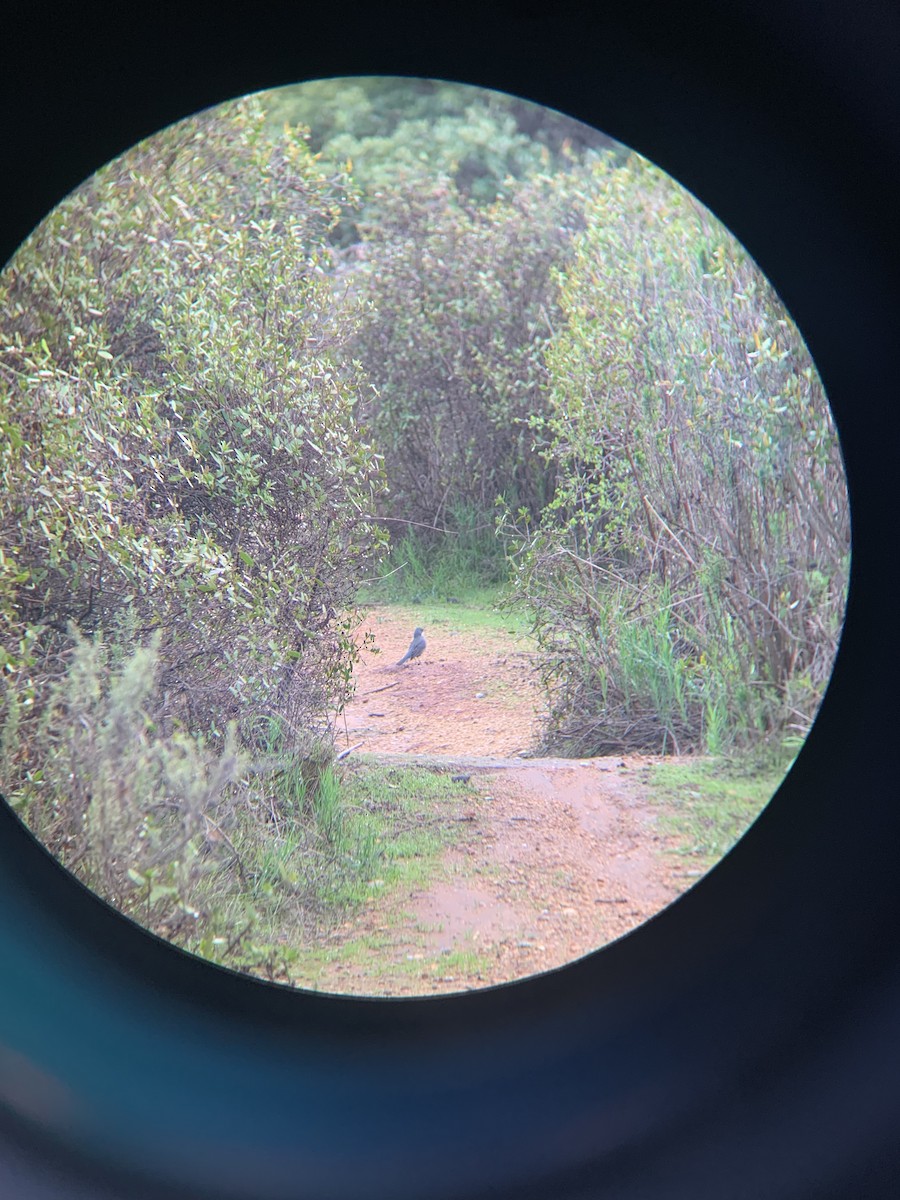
698,1056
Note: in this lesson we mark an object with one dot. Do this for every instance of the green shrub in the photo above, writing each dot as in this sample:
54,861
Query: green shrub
178,436
457,306
127,810
232,857
691,568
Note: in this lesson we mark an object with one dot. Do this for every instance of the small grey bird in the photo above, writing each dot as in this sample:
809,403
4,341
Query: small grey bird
416,646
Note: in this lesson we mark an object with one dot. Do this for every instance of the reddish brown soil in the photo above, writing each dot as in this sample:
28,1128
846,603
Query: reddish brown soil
555,857
467,694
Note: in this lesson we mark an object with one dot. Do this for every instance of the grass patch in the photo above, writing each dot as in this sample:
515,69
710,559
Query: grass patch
709,804
406,815
406,812
362,833
458,964
458,563
484,612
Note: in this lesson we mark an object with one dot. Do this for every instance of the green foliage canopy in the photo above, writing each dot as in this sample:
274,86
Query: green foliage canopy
415,130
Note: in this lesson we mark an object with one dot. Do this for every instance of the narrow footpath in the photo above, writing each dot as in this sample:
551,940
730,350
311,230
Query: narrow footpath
556,857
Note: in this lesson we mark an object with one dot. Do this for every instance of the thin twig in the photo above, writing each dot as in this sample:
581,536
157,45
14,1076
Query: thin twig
387,575
224,836
670,532
403,521
237,939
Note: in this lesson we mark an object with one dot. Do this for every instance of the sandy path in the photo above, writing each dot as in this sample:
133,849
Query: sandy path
468,694
556,857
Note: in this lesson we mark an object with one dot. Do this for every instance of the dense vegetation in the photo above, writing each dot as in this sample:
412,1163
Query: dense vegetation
444,332
459,306
193,451
182,466
688,578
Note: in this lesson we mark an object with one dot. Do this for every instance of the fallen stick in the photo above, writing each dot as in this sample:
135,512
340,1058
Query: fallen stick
349,750
384,688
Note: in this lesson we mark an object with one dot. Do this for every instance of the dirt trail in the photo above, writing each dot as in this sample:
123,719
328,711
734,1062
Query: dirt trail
557,856
468,693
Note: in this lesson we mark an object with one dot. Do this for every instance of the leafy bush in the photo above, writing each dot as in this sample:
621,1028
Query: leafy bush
237,859
128,811
457,306
688,578
178,436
